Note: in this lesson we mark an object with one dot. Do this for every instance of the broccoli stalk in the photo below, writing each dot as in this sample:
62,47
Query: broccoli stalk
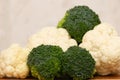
78,63
78,20
44,62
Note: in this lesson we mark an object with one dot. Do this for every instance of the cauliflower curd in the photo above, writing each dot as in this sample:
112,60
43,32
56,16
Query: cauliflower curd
13,62
51,36
104,45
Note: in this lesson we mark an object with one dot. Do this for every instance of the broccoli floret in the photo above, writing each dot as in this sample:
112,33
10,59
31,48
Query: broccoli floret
78,63
78,20
44,62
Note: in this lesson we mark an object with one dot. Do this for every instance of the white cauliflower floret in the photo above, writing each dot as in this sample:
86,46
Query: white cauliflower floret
107,29
99,35
52,36
104,45
110,60
13,62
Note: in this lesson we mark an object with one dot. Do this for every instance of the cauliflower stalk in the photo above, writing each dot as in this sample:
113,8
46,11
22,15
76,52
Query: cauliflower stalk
104,45
51,36
13,62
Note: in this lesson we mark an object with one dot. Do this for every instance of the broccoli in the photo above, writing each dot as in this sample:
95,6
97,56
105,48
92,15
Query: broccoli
78,20
78,63
44,62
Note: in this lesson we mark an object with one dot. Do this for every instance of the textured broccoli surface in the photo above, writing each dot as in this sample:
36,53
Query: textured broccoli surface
78,20
44,62
78,63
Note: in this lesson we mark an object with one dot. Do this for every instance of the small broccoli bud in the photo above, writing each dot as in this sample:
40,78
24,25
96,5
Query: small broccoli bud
78,63
44,62
78,20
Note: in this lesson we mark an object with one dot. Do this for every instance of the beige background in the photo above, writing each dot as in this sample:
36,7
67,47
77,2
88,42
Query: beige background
21,18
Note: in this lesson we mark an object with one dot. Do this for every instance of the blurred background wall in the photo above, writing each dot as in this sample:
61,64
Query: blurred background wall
19,19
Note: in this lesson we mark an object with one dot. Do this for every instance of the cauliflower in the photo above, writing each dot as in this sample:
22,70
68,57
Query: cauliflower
13,62
103,43
107,29
51,36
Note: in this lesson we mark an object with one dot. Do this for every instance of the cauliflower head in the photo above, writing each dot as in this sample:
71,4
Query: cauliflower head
13,62
104,45
51,36
107,29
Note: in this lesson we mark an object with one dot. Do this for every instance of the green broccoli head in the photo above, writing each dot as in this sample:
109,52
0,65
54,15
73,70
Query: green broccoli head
44,62
78,20
78,63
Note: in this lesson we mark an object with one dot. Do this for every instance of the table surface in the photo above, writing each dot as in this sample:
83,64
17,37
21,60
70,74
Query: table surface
110,77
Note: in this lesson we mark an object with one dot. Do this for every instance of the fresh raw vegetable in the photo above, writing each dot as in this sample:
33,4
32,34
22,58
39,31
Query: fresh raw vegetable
44,61
103,43
52,36
78,20
13,62
53,53
78,63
